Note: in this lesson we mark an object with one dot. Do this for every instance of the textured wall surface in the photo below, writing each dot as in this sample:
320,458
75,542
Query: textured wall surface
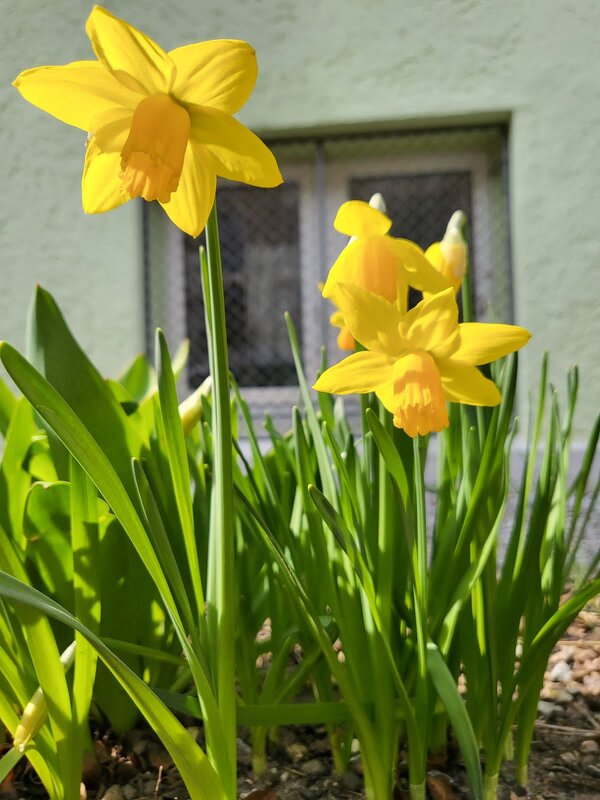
325,65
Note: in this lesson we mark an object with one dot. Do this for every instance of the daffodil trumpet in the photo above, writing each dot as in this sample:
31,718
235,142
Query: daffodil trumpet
159,124
417,361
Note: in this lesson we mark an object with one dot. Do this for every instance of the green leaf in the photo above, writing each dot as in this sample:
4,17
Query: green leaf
14,478
8,762
55,353
47,528
77,438
453,703
390,455
7,405
178,464
138,378
86,589
201,780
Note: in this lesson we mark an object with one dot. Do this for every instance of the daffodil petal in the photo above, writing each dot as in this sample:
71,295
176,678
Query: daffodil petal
345,340
101,184
340,268
372,320
134,59
431,322
419,273
357,218
76,93
112,134
434,255
220,74
368,263
189,207
481,343
387,395
235,152
463,383
359,373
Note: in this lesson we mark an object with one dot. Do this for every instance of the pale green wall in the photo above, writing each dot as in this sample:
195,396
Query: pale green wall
329,63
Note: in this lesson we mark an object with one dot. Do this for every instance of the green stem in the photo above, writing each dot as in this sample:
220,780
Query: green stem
490,787
378,783
468,311
421,592
439,734
221,589
417,791
522,774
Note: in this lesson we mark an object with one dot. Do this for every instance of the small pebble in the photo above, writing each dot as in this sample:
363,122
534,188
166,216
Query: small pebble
570,758
351,781
563,696
313,767
561,672
590,746
297,752
113,792
546,709
244,752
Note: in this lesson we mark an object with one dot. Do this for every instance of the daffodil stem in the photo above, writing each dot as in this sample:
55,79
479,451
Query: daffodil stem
468,311
220,588
421,588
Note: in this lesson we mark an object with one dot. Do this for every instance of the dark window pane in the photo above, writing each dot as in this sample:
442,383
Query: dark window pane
261,279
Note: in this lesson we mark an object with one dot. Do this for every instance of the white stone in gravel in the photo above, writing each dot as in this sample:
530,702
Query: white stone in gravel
546,709
561,672
563,696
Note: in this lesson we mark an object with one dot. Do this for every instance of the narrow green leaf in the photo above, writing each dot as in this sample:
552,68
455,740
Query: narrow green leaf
8,762
55,353
86,589
178,464
200,778
390,454
161,542
7,405
80,442
453,703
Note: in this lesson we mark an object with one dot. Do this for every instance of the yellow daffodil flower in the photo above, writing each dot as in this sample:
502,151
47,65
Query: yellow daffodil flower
414,362
345,340
159,124
376,261
450,255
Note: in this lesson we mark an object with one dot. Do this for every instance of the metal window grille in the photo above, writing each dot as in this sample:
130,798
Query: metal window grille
277,245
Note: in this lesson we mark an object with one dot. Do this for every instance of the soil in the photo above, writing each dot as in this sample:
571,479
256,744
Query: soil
564,761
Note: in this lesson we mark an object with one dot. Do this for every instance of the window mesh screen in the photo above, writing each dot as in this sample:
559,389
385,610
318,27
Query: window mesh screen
277,244
260,253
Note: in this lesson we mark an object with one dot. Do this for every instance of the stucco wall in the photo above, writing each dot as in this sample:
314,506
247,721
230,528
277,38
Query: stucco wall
329,63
